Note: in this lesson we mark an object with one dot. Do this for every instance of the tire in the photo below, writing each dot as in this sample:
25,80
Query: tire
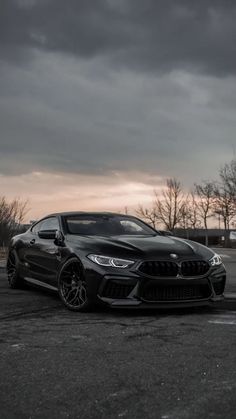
72,286
14,279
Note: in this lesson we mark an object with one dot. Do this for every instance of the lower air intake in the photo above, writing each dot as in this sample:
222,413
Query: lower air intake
153,292
219,287
113,289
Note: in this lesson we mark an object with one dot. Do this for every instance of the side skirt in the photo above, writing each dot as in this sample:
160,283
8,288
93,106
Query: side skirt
40,283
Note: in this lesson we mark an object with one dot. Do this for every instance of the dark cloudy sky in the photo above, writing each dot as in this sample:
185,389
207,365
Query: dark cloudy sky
101,100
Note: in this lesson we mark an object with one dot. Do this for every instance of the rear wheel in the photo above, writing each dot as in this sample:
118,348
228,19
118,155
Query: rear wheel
72,286
14,279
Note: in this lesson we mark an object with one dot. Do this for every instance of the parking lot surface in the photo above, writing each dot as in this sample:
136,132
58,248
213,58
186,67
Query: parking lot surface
116,364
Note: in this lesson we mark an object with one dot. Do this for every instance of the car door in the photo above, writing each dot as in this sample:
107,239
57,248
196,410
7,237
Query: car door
43,255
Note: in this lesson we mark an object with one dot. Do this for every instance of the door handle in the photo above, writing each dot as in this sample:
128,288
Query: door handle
32,241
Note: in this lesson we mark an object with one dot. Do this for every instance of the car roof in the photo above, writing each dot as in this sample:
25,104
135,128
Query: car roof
96,214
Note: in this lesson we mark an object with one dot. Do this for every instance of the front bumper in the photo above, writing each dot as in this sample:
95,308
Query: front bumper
133,290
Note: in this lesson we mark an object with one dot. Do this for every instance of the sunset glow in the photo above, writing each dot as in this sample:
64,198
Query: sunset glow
50,192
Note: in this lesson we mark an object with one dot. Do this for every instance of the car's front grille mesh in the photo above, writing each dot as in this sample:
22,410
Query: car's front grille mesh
159,268
172,269
114,289
194,268
153,292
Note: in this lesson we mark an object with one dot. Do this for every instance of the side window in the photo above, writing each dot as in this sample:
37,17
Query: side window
49,224
35,229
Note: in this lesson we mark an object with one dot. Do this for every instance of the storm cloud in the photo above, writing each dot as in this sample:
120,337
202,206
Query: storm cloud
151,35
130,86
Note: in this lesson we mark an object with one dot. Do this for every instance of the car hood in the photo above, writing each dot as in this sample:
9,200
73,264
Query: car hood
140,246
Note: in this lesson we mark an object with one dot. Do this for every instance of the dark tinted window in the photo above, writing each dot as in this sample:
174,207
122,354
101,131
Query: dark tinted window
36,227
47,224
106,225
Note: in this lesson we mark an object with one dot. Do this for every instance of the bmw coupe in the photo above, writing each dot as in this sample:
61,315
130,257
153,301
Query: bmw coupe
115,260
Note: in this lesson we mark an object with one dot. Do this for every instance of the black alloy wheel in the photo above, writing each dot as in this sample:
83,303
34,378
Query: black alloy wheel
13,277
72,286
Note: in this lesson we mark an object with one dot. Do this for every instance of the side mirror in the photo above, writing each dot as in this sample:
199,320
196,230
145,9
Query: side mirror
47,234
59,238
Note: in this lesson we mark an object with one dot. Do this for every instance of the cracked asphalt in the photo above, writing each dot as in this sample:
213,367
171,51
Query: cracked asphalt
115,364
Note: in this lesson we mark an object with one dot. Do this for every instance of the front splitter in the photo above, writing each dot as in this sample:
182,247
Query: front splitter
133,303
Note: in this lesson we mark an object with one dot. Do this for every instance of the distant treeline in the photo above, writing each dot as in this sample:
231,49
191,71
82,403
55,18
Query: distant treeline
174,208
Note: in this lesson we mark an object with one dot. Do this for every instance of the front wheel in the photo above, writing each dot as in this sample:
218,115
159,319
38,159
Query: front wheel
72,286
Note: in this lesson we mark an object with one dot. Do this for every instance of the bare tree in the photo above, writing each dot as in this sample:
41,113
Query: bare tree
225,197
224,205
189,213
148,214
204,199
12,215
194,219
126,210
228,177
169,207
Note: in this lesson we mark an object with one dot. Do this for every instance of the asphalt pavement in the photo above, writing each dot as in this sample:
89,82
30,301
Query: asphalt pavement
116,364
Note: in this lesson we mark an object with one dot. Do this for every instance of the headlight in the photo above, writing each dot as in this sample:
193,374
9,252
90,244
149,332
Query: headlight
109,261
215,260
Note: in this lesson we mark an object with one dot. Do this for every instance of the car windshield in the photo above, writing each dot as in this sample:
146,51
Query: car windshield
107,225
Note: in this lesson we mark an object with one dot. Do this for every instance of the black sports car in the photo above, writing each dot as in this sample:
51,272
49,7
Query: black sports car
114,259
